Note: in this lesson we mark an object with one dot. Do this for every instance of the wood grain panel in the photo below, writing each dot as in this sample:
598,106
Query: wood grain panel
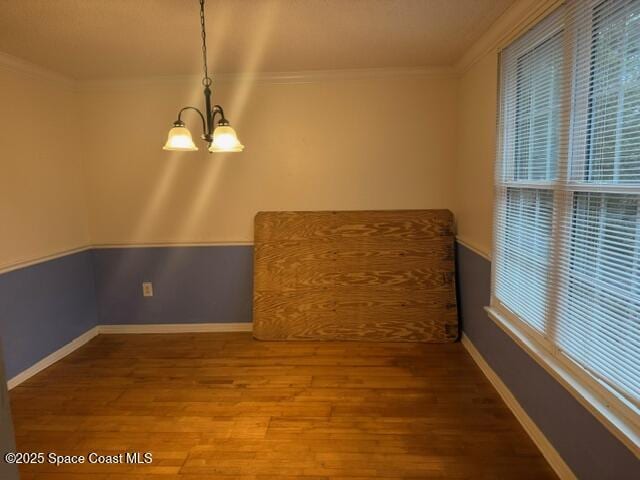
355,275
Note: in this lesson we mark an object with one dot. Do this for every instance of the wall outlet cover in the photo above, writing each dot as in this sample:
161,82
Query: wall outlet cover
147,289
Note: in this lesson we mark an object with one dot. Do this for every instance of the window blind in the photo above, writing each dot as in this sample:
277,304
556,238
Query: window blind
567,219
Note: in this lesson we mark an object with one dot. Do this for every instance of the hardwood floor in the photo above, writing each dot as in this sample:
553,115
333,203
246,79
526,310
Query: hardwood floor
226,406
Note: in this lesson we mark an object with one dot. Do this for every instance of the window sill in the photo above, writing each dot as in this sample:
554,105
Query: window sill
595,400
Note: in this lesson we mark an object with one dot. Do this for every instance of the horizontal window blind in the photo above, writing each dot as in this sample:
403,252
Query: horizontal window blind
523,266
567,219
531,113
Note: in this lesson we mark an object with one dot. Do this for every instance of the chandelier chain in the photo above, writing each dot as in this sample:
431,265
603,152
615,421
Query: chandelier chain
206,81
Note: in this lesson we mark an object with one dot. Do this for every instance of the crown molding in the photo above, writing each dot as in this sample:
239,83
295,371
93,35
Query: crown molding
272,78
518,18
18,65
15,64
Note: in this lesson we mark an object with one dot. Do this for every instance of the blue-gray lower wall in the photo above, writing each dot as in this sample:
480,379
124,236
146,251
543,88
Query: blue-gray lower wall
45,306
589,449
209,284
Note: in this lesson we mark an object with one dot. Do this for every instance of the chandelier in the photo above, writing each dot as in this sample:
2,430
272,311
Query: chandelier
220,137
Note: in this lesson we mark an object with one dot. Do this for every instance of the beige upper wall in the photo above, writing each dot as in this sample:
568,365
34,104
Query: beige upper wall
383,142
477,116
378,141
476,147
42,208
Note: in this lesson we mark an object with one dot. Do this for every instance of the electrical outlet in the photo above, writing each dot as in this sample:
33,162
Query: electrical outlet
147,289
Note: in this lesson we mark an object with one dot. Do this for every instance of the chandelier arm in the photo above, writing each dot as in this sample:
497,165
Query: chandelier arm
204,125
214,112
217,109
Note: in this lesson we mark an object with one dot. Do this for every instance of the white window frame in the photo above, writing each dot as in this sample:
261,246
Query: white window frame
612,409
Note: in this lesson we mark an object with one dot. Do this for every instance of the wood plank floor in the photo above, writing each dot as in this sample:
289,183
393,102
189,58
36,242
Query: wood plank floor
226,406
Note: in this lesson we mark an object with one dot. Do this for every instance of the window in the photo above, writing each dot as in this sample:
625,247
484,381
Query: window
567,243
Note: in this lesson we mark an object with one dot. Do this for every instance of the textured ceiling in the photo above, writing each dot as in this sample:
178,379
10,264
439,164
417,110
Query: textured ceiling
90,39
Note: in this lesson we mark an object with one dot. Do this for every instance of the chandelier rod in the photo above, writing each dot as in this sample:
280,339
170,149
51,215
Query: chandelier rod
206,80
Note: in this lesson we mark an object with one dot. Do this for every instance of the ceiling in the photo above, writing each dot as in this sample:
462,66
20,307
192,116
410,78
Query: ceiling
92,39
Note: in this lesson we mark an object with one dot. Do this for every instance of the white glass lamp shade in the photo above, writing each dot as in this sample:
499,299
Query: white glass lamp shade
225,140
179,139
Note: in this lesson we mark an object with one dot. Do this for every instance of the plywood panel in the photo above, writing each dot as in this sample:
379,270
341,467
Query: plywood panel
355,275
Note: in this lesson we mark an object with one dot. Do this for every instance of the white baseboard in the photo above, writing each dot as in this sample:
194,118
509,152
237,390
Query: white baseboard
52,358
109,329
177,328
546,448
